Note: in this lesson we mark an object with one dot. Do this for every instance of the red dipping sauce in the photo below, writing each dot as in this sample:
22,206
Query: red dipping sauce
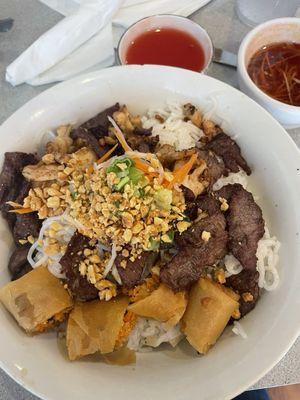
166,46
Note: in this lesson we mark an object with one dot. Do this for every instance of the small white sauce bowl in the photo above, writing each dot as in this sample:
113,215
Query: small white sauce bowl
166,21
276,30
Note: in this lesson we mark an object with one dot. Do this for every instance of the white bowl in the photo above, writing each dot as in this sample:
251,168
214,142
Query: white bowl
234,363
276,30
166,21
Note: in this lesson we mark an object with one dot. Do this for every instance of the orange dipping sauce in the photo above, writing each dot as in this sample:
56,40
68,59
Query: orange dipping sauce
275,69
166,46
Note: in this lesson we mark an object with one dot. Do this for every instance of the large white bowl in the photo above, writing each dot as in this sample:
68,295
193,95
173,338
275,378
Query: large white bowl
234,363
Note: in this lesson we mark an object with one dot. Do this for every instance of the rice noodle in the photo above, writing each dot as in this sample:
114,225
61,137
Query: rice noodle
111,261
214,114
116,275
239,330
233,266
238,177
267,259
151,333
173,130
63,236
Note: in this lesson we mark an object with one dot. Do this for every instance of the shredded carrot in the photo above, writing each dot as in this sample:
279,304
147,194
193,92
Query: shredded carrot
22,211
181,173
119,135
107,154
140,165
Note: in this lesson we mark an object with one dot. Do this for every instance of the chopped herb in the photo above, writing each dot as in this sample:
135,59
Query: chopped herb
134,175
171,235
121,184
154,245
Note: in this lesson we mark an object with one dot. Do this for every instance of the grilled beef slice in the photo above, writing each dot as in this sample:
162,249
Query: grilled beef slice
142,143
136,271
245,224
228,149
98,125
244,283
18,264
89,139
215,166
14,187
208,204
79,286
95,128
195,253
191,210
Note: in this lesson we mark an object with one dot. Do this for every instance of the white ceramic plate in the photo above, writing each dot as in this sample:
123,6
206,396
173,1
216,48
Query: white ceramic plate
234,363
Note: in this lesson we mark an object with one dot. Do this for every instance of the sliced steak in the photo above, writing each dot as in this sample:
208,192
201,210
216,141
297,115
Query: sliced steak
208,204
215,225
98,125
191,210
245,283
195,253
228,149
136,271
89,139
144,144
215,166
142,131
95,128
167,154
245,224
26,225
18,264
12,182
79,286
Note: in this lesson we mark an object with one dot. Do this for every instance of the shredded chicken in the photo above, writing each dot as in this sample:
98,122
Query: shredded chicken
126,121
167,154
41,172
193,114
195,181
62,143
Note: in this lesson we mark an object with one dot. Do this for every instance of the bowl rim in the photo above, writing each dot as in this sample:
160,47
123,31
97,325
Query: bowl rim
89,77
242,65
170,16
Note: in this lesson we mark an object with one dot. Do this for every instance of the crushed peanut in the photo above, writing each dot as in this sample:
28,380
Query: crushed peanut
247,297
236,314
224,204
205,236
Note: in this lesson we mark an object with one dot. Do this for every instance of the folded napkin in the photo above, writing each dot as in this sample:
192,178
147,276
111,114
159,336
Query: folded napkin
83,40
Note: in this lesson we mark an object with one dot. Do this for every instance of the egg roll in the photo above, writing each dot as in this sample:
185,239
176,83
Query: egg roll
94,326
162,305
209,309
38,300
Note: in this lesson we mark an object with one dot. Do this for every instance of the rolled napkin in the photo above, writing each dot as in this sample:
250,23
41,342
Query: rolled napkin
83,40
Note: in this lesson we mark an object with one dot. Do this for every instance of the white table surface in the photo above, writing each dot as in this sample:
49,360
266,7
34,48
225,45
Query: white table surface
31,19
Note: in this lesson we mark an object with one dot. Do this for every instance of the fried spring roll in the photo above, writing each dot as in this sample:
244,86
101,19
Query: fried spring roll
94,326
38,300
209,309
163,305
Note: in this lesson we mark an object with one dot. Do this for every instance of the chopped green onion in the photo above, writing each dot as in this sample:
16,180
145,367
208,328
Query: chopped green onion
171,235
134,175
121,184
154,245
163,199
